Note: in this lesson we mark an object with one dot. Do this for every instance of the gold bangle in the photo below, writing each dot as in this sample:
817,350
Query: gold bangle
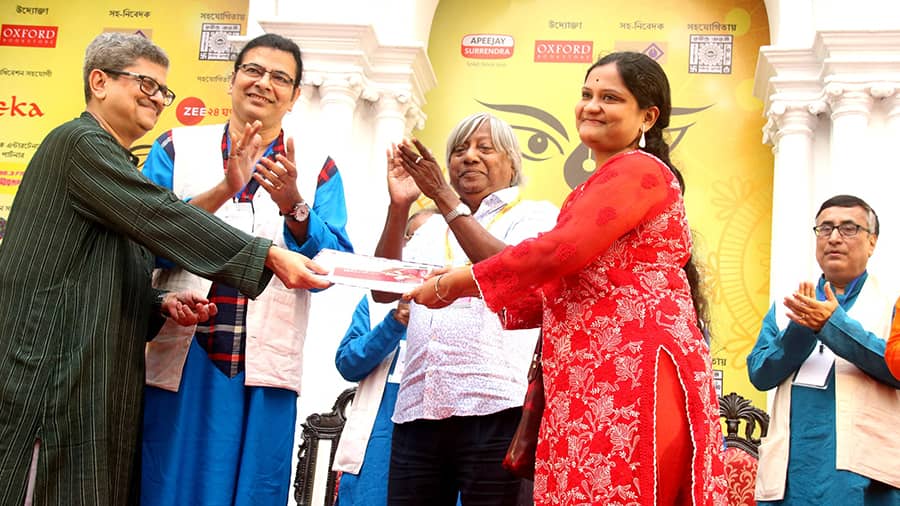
437,287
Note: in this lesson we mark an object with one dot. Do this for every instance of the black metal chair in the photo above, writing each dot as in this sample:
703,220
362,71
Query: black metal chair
735,409
319,430
741,447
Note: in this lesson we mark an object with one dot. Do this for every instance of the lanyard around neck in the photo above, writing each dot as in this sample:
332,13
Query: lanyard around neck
495,219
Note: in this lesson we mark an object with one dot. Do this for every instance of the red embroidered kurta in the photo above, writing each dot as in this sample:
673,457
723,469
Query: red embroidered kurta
615,297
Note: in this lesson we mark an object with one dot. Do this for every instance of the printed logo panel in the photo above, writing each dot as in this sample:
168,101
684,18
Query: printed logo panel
214,40
28,35
564,51
656,50
485,46
710,54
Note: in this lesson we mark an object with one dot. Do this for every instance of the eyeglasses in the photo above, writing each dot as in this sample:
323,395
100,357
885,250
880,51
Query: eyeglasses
845,229
255,71
148,85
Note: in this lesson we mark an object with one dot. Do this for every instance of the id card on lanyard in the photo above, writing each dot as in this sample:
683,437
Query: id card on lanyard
397,374
814,371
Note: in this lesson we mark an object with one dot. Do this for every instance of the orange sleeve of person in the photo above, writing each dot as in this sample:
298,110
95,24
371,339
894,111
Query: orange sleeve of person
892,352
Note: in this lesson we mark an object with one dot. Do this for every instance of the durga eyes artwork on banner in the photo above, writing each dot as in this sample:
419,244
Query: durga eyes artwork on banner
545,138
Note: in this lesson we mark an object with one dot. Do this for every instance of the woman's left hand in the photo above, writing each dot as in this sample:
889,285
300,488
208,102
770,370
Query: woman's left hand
444,287
424,294
187,307
279,177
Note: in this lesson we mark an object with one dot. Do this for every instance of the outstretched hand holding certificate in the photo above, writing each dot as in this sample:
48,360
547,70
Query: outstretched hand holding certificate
373,273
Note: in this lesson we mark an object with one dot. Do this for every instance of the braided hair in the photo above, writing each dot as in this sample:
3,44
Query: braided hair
647,81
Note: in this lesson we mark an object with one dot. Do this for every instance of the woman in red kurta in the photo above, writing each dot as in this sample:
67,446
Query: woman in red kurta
631,416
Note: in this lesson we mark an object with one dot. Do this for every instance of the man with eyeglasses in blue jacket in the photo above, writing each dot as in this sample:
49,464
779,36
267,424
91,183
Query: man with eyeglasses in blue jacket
221,400
830,437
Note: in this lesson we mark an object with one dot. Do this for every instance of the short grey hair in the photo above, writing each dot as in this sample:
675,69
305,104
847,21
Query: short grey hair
872,224
115,51
502,135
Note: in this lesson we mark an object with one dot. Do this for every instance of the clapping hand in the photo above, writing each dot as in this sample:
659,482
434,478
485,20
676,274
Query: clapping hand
279,177
402,187
804,309
418,162
243,156
401,314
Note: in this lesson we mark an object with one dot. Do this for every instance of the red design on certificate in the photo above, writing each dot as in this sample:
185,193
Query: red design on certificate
373,273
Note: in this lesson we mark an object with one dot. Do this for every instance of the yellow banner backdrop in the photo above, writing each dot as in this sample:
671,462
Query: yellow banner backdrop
525,62
42,49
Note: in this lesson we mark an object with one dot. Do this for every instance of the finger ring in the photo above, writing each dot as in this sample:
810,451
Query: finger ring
419,159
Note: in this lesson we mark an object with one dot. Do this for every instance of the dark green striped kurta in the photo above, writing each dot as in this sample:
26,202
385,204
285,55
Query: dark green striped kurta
75,300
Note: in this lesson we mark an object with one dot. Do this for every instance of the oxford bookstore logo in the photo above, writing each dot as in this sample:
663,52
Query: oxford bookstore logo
563,51
28,35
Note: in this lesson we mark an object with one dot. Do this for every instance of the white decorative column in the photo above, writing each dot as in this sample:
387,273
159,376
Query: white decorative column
889,94
390,120
338,93
849,60
415,119
851,108
851,75
887,205
790,129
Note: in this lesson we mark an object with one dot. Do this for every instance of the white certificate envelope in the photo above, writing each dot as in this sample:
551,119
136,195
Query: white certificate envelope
372,273
814,371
